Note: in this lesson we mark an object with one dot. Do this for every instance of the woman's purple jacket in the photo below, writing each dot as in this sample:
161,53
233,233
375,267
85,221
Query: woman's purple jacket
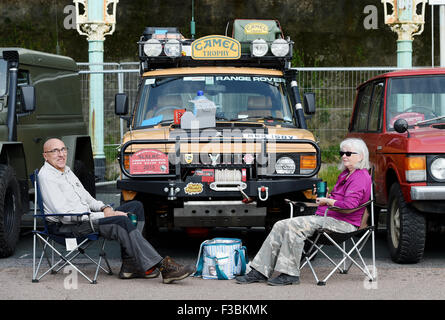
349,193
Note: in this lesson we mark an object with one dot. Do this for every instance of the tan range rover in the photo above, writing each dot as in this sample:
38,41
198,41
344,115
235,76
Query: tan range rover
217,136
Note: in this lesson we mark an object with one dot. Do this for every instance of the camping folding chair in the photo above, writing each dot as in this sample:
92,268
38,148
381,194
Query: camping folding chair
56,243
325,237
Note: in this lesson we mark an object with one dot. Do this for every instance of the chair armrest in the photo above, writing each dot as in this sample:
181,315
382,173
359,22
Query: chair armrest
351,210
301,203
340,210
62,214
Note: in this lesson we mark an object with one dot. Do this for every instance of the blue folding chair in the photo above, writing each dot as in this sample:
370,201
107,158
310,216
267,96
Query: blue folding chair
51,239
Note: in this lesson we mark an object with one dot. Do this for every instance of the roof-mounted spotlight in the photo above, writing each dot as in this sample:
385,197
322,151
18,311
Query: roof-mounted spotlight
153,48
280,47
259,48
172,48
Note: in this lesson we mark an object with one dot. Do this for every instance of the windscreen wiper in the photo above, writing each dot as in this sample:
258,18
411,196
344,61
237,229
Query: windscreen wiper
429,120
264,118
222,118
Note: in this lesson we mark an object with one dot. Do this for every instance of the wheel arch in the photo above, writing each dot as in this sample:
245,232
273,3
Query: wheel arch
391,178
13,154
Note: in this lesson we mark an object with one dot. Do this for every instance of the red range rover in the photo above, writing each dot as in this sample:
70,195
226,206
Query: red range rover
401,117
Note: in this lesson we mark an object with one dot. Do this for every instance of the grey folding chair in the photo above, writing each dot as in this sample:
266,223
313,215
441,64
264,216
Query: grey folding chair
357,239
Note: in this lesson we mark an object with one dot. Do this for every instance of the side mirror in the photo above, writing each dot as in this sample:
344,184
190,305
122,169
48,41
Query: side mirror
28,98
401,125
121,104
309,103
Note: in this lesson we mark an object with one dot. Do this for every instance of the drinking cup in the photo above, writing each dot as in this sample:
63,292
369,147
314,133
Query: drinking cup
134,218
321,189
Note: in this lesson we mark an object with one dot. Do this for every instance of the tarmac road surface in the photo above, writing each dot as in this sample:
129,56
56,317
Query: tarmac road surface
421,281
424,281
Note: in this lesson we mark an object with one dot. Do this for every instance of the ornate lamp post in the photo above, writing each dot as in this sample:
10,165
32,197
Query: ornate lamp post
96,19
407,23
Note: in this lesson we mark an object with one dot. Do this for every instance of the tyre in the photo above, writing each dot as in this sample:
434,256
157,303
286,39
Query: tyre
10,211
86,177
406,229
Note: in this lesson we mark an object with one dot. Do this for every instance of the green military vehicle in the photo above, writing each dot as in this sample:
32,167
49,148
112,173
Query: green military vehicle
39,99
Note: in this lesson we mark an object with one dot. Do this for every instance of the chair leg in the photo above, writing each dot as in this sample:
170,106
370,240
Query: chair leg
44,243
103,253
348,255
68,261
374,271
308,262
64,260
344,270
34,244
357,250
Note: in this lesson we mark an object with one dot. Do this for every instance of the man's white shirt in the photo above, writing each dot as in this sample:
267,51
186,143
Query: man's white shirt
63,192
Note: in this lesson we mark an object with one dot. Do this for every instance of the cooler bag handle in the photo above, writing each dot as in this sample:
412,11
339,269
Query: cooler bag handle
240,254
220,273
200,262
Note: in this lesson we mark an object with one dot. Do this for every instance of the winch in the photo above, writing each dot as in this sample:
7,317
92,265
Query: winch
228,180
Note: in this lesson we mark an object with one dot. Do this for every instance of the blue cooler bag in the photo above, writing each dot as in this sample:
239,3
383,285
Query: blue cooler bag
221,258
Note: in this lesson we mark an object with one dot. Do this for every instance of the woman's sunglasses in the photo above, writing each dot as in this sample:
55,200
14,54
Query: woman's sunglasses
347,153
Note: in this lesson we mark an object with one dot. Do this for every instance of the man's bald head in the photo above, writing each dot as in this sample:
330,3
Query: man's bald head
55,153
50,142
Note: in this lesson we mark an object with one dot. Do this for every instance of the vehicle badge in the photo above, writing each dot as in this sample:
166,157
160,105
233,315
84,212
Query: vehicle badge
214,158
193,188
248,158
188,158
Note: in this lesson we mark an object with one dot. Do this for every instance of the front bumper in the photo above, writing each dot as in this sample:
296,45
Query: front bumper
428,193
222,213
180,189
428,199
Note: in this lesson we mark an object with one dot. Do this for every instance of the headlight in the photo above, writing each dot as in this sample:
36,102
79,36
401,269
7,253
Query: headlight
152,48
285,165
259,47
438,169
280,48
172,48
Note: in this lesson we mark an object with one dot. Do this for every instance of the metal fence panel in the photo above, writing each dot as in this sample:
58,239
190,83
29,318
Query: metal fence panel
118,78
334,89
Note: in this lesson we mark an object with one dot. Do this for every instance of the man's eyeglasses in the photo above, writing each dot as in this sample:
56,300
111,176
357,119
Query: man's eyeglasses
54,151
347,153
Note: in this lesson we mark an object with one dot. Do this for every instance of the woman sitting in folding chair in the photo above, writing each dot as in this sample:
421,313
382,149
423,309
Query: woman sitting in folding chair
283,248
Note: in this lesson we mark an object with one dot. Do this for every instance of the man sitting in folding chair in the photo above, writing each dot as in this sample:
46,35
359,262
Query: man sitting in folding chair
62,192
283,248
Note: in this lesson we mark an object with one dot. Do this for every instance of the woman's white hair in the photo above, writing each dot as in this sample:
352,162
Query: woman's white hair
357,145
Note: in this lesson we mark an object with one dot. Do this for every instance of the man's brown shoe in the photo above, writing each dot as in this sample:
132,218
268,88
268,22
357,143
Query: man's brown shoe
172,271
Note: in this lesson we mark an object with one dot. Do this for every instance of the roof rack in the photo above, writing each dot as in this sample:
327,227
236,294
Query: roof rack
263,47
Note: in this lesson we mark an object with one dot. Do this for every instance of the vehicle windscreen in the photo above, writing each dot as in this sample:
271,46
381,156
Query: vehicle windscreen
418,99
3,77
236,97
